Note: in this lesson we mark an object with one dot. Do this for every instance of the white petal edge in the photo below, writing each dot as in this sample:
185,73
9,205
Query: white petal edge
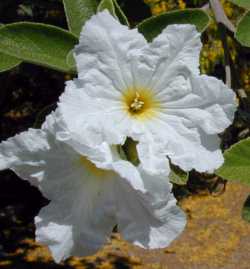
79,224
105,51
150,221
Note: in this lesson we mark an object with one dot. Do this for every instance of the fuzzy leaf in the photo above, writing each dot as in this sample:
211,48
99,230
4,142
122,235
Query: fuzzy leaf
153,26
109,5
120,14
114,9
71,61
8,62
237,162
246,210
78,12
243,30
242,3
178,176
37,43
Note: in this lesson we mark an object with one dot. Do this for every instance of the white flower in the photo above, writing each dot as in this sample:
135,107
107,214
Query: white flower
151,92
90,191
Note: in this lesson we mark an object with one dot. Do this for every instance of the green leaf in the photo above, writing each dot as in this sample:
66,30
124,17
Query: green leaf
153,26
130,151
78,12
178,176
120,14
109,5
8,62
242,3
114,9
237,162
243,30
37,43
246,210
71,61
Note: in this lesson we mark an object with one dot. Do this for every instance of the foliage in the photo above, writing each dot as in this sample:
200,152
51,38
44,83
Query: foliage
178,176
242,33
237,162
246,210
77,12
8,62
37,43
153,26
114,9
241,3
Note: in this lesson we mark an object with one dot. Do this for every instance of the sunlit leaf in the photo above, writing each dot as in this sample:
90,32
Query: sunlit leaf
153,26
243,30
8,62
78,12
120,14
109,5
237,162
246,210
178,176
130,151
114,9
242,3
71,61
37,43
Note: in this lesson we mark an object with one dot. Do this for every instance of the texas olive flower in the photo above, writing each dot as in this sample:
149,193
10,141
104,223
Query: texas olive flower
150,92
91,189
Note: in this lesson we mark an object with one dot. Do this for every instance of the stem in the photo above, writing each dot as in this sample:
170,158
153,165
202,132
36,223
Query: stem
220,15
225,24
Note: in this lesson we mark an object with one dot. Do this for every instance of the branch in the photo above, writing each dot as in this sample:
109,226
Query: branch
220,15
205,7
223,23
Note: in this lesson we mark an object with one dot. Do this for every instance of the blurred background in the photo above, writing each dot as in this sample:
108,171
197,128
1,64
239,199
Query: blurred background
28,93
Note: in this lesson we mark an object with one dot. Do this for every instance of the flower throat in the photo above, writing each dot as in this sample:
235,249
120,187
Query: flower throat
140,103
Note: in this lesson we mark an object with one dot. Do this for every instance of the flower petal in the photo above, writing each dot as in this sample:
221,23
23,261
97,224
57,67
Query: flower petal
153,159
23,153
105,52
101,119
210,104
177,47
189,148
129,173
80,223
204,157
152,220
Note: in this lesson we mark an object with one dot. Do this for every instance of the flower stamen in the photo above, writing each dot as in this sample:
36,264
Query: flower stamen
140,103
137,104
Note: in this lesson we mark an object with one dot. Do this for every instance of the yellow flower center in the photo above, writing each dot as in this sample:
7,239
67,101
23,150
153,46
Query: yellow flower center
140,103
137,104
93,169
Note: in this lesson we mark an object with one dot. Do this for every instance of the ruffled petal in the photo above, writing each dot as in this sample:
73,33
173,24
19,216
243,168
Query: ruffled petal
203,157
208,104
104,54
24,153
152,220
151,155
129,173
80,222
177,47
189,148
95,119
